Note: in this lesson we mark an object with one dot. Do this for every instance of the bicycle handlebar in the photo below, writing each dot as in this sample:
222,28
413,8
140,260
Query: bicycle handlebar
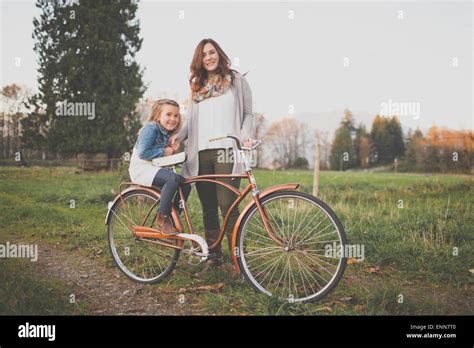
237,141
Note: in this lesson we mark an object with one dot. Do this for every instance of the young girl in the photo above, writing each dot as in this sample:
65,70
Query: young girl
152,142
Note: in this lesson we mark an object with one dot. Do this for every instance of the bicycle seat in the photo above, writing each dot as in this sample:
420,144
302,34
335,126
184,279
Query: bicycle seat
171,160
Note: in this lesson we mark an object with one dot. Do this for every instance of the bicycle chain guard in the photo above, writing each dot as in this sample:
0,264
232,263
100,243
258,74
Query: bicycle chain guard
200,241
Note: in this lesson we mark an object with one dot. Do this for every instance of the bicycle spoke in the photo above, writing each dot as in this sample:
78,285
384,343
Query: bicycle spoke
308,271
316,235
274,221
274,271
263,251
262,256
319,223
310,222
317,262
305,278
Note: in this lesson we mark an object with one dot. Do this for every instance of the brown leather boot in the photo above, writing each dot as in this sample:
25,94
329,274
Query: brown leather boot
228,235
229,267
163,224
215,257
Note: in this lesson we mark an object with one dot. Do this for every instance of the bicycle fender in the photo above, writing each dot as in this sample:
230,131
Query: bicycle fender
266,192
174,213
128,189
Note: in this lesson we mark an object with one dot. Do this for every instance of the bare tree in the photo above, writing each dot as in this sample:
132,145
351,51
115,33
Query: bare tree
13,110
287,140
322,138
259,132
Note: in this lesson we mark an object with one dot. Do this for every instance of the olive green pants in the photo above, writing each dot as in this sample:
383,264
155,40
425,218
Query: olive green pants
214,196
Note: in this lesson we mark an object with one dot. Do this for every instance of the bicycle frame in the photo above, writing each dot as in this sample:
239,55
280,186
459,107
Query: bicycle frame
257,196
148,232
213,178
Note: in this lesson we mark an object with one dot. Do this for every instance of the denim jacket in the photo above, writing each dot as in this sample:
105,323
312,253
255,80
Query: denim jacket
151,141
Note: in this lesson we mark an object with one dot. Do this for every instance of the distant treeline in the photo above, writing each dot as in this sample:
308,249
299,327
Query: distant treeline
440,150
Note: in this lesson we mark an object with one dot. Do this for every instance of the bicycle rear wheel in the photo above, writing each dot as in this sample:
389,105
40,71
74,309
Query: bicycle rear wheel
301,269
141,259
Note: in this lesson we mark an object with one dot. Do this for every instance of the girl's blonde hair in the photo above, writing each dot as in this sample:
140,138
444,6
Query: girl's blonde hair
158,107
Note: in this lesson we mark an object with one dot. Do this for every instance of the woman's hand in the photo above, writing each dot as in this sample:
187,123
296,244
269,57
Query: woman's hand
249,142
173,143
172,139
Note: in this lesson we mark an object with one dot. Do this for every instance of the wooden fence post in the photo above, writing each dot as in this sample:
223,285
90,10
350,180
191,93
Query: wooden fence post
316,171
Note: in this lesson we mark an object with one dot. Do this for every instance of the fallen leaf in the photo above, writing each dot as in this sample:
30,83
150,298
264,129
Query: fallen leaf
324,309
338,303
374,269
471,270
359,308
214,287
351,261
345,299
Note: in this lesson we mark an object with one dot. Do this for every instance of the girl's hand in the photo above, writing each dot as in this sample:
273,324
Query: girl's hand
175,146
168,151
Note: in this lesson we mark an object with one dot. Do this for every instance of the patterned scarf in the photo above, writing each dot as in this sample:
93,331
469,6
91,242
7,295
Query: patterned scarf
214,87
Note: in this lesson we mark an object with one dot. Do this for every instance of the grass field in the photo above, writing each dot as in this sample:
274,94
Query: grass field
417,230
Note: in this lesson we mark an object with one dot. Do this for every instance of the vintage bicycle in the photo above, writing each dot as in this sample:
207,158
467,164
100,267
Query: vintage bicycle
280,241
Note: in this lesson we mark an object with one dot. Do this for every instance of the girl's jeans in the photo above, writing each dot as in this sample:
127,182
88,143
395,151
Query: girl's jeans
169,182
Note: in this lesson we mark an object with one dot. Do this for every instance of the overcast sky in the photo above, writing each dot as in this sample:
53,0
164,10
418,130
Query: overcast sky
316,58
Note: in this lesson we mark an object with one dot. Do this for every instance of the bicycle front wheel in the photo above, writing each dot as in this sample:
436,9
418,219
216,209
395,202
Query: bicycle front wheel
142,260
306,266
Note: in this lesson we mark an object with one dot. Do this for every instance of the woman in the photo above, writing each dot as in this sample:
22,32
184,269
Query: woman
220,104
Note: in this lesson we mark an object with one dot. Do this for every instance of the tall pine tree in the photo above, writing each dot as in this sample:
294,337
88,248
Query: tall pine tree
397,145
387,140
343,152
361,145
379,140
87,55
415,151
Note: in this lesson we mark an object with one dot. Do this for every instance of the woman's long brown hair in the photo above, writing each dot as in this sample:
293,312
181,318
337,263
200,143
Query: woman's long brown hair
199,74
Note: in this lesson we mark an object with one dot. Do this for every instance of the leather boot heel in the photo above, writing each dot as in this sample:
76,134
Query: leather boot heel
163,224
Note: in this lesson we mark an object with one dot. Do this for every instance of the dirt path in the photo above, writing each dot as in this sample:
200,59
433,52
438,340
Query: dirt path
104,290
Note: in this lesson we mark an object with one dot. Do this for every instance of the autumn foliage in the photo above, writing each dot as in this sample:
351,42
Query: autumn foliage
441,150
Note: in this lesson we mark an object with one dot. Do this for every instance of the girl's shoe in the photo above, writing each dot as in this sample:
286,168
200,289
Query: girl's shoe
163,224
